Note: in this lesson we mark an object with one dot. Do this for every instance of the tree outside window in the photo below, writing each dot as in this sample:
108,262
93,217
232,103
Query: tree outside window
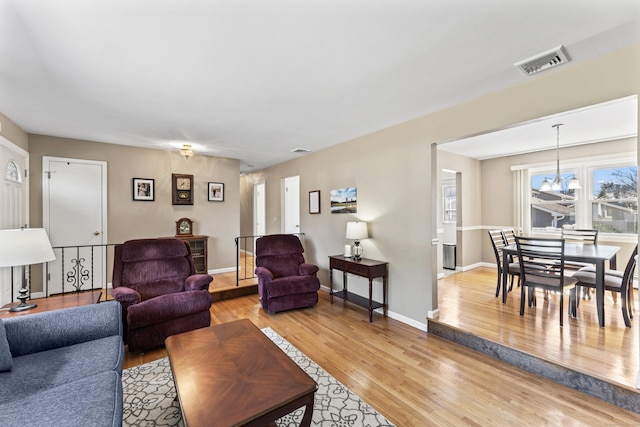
614,205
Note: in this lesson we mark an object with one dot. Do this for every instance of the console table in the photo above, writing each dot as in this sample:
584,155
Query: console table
368,268
56,302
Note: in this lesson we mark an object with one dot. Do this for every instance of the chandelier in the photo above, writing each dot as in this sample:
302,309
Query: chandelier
186,151
556,185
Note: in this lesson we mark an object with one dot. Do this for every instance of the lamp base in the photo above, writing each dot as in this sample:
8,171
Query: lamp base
356,251
23,297
23,306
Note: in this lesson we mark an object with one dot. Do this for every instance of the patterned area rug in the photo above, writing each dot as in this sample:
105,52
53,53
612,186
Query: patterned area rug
149,396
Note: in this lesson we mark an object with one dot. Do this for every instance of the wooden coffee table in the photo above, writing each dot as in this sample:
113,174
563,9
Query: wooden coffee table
233,375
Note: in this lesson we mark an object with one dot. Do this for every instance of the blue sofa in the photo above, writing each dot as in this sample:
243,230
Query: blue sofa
62,367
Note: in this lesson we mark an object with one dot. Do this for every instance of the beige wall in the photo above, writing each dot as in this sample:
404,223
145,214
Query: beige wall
391,170
128,219
13,132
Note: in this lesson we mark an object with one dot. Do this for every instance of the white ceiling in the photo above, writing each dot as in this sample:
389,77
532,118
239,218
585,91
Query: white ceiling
255,79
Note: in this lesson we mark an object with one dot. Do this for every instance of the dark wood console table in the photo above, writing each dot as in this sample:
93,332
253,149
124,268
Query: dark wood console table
368,268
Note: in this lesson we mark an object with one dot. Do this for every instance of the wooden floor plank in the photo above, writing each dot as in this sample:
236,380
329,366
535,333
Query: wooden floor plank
416,379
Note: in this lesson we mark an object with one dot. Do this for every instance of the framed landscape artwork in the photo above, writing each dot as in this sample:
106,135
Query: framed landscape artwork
143,189
344,200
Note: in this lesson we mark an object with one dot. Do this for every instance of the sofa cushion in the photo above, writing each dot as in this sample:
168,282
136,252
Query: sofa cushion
86,402
6,360
33,373
168,307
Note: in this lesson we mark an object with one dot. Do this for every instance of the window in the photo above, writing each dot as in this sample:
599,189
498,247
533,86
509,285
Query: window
552,209
449,203
608,200
12,173
614,202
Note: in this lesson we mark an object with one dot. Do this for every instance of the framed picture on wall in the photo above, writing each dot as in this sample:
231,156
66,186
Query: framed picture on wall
143,189
314,202
344,200
216,191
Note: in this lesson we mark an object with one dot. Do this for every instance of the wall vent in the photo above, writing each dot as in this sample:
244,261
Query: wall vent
300,150
543,61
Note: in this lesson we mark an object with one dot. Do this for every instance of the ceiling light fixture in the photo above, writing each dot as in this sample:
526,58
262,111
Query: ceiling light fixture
186,151
556,185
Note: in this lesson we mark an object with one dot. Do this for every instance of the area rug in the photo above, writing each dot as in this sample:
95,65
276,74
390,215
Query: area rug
149,396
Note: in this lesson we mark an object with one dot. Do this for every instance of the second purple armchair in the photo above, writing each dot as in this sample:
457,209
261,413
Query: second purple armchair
155,282
285,281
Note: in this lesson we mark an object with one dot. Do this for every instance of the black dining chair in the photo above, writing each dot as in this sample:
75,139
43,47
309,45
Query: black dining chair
497,242
542,267
614,281
509,236
584,236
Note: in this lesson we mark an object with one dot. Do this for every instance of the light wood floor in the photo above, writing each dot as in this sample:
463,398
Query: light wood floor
609,353
415,379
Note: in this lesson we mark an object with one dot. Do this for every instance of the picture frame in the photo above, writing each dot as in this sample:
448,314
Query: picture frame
143,189
314,202
215,191
181,189
344,200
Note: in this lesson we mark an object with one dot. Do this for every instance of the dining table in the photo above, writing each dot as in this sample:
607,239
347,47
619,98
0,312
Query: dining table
595,254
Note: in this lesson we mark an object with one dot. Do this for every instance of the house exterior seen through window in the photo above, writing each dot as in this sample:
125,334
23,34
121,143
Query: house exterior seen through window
608,201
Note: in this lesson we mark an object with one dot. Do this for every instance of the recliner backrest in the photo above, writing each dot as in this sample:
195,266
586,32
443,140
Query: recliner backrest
153,267
280,253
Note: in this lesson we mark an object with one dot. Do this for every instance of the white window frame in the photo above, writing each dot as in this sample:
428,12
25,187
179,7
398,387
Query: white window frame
583,169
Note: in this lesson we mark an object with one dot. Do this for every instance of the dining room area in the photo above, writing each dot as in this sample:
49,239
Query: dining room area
546,248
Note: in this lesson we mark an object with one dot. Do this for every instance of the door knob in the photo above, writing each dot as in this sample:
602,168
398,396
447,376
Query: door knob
96,233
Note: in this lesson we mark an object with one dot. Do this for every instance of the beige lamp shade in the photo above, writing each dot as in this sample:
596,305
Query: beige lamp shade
357,231
24,246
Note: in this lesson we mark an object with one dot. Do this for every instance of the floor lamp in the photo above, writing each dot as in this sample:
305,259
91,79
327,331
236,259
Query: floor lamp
22,247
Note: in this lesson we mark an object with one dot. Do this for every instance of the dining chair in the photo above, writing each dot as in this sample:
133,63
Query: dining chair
584,236
509,236
542,267
614,281
497,242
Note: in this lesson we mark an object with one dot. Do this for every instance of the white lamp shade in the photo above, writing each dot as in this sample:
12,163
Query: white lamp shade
357,231
24,246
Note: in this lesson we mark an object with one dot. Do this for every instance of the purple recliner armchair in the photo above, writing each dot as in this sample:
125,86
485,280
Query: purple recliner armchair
285,281
155,282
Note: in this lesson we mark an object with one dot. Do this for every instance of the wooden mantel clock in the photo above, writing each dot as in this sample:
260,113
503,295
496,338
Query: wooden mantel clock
184,227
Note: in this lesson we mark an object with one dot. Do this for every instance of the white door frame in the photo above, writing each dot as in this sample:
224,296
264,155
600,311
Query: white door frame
46,208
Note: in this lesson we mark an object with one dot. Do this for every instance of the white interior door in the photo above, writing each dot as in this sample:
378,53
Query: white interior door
74,213
14,208
292,205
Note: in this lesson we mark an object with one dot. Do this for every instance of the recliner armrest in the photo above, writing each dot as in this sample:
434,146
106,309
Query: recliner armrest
264,273
307,269
125,295
197,282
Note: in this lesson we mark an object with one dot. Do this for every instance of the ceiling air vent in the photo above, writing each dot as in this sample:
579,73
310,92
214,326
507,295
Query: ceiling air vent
543,61
300,150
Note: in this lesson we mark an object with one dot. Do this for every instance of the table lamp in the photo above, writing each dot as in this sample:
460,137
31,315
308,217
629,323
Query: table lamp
357,231
22,247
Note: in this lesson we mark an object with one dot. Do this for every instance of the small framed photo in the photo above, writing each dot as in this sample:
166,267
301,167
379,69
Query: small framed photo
143,189
314,202
216,191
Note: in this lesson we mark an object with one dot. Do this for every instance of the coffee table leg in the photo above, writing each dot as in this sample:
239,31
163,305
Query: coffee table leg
308,413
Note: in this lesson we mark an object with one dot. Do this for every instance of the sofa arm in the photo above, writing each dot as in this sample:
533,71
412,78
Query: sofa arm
307,269
61,328
264,273
197,282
